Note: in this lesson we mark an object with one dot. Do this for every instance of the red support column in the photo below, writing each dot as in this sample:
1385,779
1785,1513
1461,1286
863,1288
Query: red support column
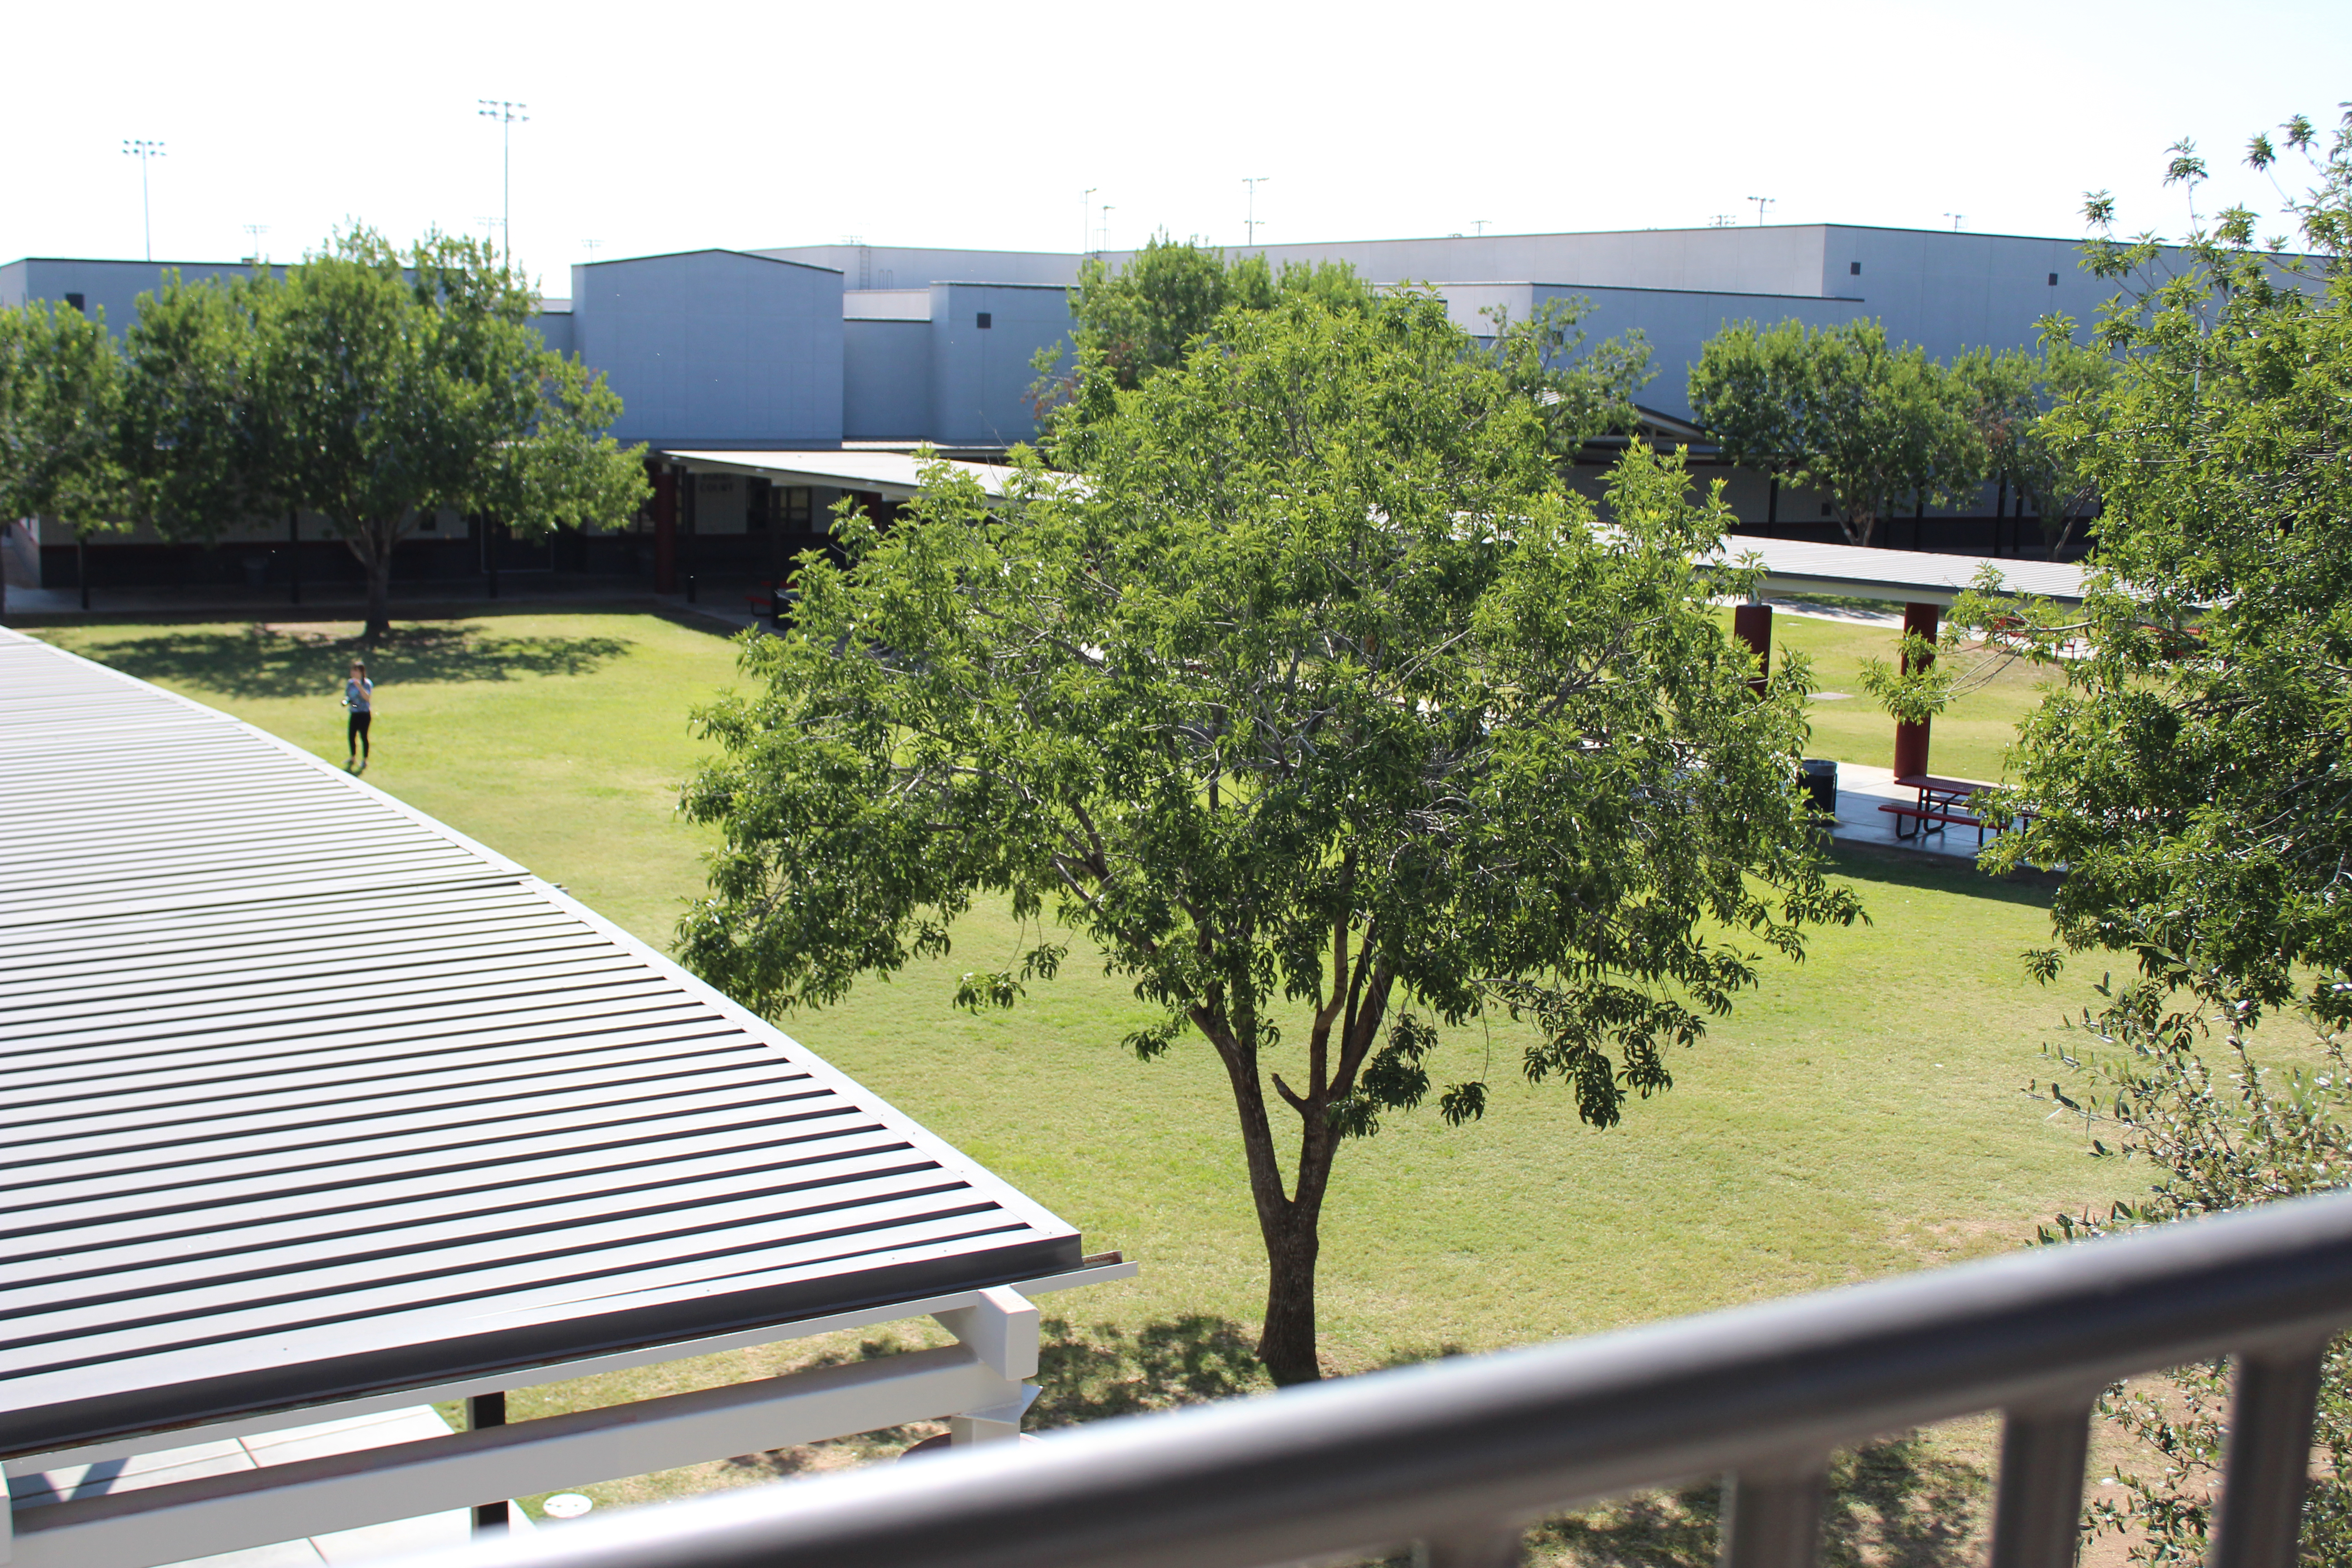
665,529
1752,624
1911,740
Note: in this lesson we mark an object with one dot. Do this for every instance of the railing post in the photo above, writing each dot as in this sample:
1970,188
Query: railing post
488,1410
2038,1514
1773,1518
2271,1409
1493,1548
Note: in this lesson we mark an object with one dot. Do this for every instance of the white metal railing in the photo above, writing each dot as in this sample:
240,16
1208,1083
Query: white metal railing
1461,1454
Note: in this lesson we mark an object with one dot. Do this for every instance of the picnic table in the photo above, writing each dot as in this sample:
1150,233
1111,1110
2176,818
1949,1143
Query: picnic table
1942,802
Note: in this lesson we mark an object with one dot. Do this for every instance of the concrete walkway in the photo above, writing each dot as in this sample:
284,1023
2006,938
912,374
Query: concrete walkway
431,1532
1863,789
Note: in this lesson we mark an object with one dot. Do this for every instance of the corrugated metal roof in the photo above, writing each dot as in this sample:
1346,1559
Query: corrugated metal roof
307,1096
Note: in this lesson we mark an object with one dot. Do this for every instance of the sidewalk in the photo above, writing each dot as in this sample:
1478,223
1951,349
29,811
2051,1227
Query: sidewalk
431,1532
1863,789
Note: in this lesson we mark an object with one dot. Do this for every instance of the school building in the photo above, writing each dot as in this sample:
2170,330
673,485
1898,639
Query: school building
861,350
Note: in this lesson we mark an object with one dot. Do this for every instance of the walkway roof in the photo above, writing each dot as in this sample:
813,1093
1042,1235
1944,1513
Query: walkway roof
894,476
1899,577
1794,566
304,1096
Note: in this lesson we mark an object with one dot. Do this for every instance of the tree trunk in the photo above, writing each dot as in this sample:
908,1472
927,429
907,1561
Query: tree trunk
379,600
371,543
1287,1343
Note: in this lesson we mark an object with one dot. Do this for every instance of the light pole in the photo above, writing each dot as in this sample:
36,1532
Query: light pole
145,152
1956,218
1086,219
1105,226
1761,203
253,232
1250,224
506,112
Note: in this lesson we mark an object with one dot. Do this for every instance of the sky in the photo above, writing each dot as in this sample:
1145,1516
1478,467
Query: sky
655,129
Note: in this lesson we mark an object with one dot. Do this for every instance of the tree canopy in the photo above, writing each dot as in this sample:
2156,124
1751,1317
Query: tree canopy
2194,770
1842,410
371,386
60,393
1302,690
1132,323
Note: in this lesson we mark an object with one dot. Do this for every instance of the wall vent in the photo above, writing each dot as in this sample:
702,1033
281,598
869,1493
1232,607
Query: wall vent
984,320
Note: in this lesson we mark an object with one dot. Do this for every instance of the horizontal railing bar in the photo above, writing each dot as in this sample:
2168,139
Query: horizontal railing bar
1438,1450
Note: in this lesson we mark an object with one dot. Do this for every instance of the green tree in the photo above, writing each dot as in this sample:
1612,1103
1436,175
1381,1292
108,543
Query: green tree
373,387
2212,1140
193,433
2194,771
2006,397
60,389
1305,694
1840,410
1131,324
1578,392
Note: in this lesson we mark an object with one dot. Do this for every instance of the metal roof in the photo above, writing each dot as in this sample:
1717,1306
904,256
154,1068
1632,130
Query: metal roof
1912,576
306,1097
896,476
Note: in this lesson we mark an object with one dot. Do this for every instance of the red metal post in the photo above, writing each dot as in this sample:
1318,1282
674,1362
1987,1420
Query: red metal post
1911,740
1752,624
665,529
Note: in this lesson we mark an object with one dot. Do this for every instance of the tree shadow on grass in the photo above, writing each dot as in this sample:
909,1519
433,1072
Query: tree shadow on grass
1093,1374
1082,1375
305,660
1895,1503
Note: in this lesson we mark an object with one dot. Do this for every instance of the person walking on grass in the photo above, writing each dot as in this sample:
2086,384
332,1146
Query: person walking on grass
359,695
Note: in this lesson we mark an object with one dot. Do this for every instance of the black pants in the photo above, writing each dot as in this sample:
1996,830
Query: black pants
357,739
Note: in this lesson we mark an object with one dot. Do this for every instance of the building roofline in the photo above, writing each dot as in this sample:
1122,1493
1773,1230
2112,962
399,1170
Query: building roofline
712,251
1641,288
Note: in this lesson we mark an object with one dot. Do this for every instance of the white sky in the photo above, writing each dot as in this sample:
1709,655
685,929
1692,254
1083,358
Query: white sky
664,127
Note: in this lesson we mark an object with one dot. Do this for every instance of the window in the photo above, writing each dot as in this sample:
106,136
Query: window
798,513
984,320
2053,280
429,521
1826,509
74,300
1854,268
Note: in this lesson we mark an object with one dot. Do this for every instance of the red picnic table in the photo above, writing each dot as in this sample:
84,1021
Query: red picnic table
1942,802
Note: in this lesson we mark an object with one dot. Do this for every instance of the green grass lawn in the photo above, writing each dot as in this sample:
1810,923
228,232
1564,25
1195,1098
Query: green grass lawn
1967,741
1862,1113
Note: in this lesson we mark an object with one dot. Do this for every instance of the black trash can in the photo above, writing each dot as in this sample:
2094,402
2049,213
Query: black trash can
1819,776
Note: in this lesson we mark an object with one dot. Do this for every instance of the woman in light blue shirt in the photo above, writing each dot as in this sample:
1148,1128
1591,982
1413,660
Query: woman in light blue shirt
359,698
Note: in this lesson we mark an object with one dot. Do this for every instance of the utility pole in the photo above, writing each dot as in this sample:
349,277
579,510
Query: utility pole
1086,220
507,113
1761,203
146,152
1249,224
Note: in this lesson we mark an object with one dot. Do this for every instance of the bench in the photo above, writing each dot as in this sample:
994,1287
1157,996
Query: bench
771,600
1922,815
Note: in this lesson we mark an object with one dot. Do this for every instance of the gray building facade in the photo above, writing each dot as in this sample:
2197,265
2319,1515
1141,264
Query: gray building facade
820,347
